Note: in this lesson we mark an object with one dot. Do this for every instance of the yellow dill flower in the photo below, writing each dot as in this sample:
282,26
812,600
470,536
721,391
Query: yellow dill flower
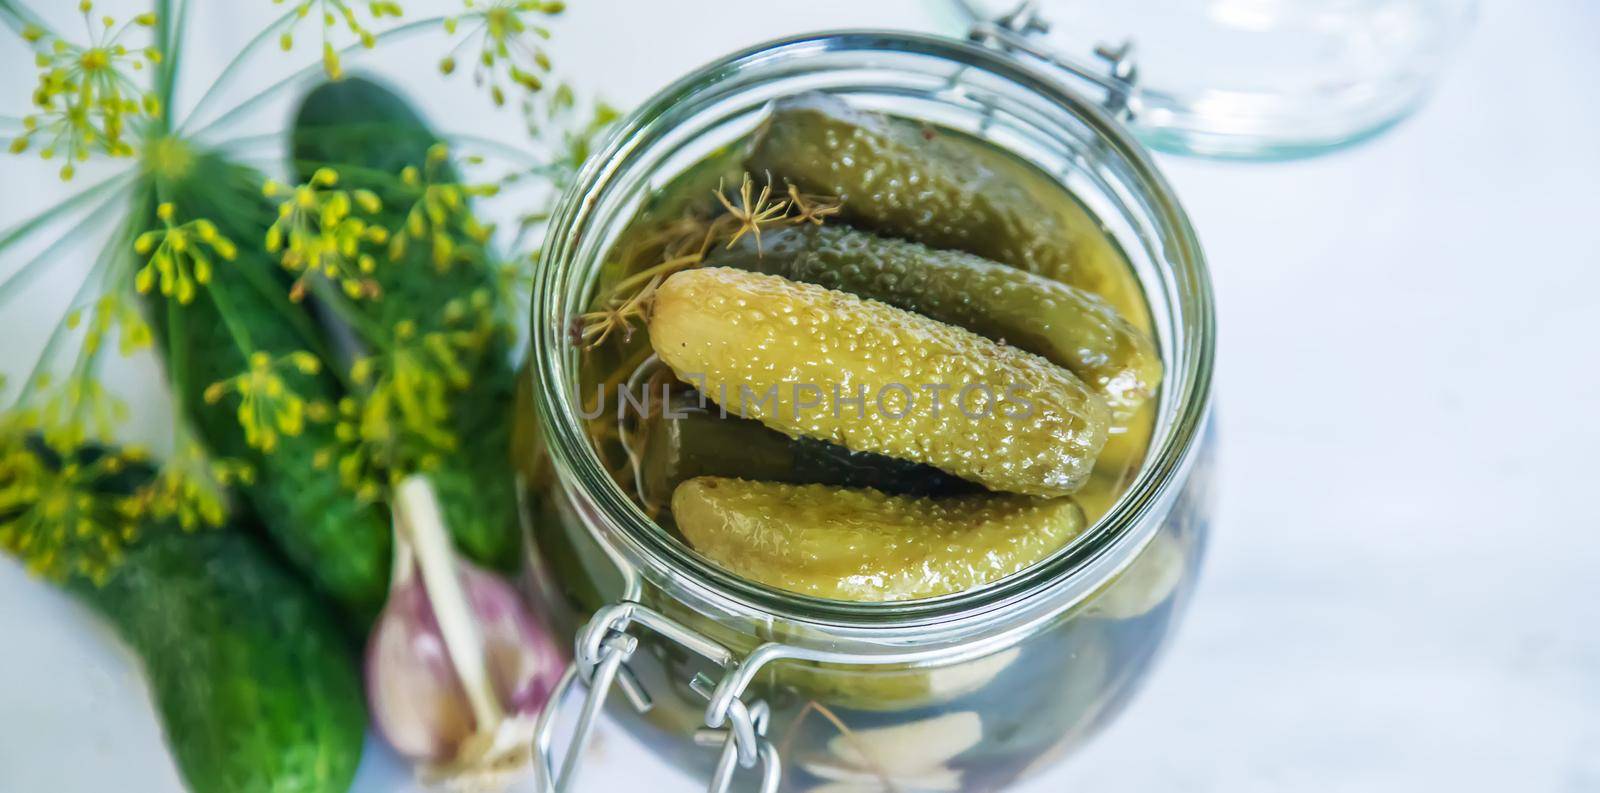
85,98
190,489
76,411
168,158
331,13
317,233
268,407
399,421
441,211
178,259
56,514
509,45
116,310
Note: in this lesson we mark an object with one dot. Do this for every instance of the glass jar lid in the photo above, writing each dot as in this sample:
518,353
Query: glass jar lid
1245,79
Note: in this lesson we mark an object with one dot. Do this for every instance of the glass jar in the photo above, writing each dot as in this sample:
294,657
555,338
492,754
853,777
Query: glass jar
970,691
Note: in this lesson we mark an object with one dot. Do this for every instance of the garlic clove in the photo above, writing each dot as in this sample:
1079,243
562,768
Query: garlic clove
417,702
524,660
909,750
458,667
1147,583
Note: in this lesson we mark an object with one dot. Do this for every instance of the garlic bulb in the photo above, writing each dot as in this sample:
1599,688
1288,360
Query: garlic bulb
457,666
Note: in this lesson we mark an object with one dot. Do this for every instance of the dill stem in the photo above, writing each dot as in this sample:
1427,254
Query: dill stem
17,17
82,372
232,69
507,150
169,42
271,91
59,332
667,266
23,229
793,729
861,748
31,268
247,141
177,362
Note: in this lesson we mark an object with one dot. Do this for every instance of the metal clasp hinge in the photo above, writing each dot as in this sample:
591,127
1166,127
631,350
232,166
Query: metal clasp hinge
1018,30
603,648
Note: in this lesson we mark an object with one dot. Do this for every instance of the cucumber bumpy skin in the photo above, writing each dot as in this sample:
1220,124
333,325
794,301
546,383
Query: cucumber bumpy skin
368,134
864,545
1072,327
687,440
789,353
257,689
341,542
252,675
905,179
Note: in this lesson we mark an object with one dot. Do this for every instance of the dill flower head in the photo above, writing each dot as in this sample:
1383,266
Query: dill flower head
86,98
509,44
57,513
178,258
268,407
318,233
190,489
168,158
441,209
398,422
78,410
112,311
331,13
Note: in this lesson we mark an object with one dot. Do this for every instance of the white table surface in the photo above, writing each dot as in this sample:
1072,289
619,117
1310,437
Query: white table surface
1402,592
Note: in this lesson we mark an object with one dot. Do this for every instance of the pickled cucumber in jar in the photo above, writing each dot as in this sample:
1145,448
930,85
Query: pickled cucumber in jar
865,545
855,357
910,179
692,438
792,355
1072,327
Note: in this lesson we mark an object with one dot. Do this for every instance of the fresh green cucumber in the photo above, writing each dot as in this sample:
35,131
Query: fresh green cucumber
369,134
339,541
257,687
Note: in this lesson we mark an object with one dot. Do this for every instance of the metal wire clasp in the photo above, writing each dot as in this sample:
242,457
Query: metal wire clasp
603,648
1018,30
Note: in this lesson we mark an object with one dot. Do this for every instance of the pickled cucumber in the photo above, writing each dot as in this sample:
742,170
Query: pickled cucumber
814,362
914,181
1070,326
864,545
687,440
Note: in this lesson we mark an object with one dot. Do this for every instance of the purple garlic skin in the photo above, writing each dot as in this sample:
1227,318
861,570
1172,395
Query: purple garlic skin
417,698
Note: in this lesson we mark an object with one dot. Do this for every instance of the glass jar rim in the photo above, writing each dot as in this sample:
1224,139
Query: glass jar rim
1080,568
